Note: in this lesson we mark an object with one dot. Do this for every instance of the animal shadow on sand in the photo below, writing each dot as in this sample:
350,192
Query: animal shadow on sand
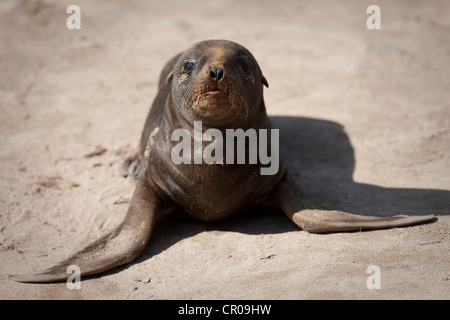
320,157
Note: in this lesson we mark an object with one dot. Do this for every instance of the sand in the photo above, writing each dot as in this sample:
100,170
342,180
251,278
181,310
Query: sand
364,118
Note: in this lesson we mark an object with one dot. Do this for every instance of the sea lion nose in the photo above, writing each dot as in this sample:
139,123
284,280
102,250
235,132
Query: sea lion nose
216,73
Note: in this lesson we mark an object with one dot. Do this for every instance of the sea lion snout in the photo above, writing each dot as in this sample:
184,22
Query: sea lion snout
216,73
213,81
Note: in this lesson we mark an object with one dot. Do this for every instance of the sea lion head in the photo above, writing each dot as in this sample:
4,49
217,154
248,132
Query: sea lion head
217,82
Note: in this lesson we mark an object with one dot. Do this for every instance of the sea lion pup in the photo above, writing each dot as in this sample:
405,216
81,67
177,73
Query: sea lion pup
216,85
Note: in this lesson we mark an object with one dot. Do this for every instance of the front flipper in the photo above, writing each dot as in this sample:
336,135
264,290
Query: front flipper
132,167
119,247
313,218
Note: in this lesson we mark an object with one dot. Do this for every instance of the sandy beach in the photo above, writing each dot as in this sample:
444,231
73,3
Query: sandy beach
364,119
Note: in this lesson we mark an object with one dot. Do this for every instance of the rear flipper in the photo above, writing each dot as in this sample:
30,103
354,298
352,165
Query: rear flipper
313,218
119,247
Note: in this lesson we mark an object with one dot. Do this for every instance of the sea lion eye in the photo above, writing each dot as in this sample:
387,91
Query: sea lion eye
189,66
245,65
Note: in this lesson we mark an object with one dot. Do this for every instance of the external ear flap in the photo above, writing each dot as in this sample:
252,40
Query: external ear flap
264,81
169,77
